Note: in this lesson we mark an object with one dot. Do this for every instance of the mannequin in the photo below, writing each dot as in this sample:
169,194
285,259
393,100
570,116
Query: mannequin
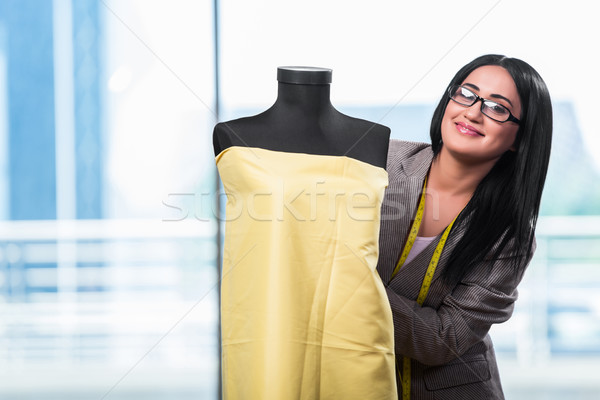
303,120
304,314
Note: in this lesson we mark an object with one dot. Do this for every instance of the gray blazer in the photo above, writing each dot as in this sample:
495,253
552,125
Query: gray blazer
447,338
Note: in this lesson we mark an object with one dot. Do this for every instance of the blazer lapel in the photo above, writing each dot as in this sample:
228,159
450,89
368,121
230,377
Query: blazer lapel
410,277
406,175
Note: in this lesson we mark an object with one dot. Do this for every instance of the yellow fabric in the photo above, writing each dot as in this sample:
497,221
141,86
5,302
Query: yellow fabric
304,312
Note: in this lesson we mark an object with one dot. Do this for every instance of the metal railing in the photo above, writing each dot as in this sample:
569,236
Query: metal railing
558,311
132,303
109,296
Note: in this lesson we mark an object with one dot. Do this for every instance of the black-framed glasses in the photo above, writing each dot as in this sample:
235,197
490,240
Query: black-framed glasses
489,108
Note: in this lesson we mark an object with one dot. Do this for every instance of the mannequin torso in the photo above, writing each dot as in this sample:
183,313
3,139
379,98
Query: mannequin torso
303,120
303,311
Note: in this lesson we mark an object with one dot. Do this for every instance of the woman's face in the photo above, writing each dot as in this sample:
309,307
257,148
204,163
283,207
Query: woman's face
473,137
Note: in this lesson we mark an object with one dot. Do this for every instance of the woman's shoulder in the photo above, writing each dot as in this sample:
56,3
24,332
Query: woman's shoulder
412,157
405,147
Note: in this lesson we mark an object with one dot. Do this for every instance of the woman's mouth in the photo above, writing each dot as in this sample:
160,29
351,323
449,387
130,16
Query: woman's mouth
467,129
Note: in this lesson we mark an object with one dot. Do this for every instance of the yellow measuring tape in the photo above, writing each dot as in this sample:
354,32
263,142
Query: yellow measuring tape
414,230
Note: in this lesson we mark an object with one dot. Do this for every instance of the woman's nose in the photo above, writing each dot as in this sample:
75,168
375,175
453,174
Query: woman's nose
474,112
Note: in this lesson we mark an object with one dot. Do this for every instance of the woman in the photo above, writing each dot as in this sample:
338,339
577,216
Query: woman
452,262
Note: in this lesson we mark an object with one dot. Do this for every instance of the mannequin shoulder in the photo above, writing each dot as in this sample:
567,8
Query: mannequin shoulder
238,126
222,137
360,126
235,132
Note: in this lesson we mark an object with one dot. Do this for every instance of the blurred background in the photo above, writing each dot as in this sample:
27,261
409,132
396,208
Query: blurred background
109,239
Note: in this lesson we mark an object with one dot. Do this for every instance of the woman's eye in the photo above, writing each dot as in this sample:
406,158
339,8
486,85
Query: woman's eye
465,94
496,108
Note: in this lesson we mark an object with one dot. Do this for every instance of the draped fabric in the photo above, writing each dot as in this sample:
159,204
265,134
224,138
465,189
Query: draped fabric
304,312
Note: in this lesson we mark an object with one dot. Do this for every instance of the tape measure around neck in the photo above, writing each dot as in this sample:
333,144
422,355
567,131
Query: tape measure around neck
404,372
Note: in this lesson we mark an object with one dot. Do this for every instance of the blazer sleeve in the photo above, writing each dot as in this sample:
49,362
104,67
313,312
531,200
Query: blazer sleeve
464,317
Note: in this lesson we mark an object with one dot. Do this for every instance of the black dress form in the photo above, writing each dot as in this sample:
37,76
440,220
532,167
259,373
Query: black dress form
303,120
304,314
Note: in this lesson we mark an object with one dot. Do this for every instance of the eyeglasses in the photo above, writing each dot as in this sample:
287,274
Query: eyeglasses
489,108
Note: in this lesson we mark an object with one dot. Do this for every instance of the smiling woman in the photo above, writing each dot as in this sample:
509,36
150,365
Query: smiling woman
476,190
476,134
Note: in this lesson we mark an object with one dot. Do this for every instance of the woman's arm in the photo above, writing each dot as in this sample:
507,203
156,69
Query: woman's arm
436,336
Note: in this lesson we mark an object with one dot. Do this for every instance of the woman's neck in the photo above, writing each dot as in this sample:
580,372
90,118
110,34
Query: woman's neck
453,177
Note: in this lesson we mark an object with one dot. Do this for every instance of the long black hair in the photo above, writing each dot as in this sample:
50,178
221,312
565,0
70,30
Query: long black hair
503,210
